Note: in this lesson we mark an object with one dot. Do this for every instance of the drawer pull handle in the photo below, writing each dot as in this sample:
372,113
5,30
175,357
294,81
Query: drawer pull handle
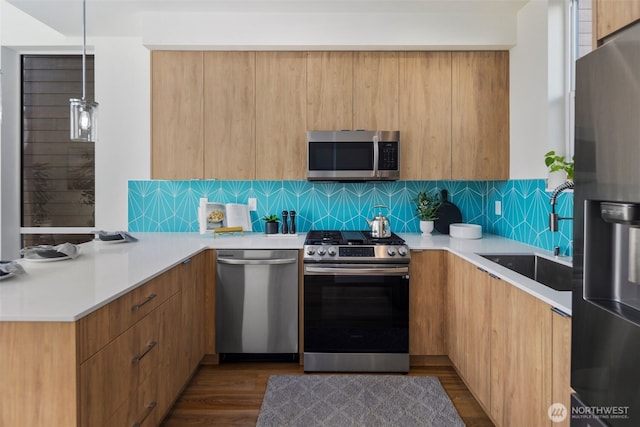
137,307
150,346
150,407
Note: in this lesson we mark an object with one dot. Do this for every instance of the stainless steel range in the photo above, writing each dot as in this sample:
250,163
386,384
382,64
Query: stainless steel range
356,302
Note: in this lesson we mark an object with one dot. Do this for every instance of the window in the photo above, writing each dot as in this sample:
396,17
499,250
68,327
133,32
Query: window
58,190
581,43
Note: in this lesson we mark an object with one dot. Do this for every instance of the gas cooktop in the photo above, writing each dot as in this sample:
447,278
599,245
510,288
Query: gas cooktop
353,246
331,237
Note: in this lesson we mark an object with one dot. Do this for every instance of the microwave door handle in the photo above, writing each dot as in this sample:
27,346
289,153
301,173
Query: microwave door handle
375,155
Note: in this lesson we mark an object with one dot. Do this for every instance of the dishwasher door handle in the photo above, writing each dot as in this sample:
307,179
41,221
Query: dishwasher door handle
267,261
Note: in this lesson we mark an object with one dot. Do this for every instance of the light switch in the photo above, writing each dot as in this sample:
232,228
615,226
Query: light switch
253,204
498,208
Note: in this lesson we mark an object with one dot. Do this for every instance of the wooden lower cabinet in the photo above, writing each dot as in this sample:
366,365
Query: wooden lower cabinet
124,364
521,354
561,363
127,382
510,348
469,325
426,303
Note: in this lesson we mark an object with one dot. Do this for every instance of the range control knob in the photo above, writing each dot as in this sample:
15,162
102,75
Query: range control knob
402,251
391,251
321,251
311,250
331,251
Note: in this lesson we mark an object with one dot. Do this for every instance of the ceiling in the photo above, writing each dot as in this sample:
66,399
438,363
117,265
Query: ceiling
124,17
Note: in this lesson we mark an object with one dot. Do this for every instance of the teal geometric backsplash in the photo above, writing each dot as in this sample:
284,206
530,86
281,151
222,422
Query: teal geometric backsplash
171,206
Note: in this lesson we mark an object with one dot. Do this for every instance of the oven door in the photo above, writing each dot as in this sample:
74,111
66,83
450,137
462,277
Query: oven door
356,308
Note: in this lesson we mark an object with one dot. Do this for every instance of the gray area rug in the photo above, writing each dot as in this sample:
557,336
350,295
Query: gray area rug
356,400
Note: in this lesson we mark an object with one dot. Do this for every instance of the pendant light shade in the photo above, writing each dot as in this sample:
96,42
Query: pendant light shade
84,120
83,113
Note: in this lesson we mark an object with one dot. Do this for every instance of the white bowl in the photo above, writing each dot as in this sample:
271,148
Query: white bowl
465,231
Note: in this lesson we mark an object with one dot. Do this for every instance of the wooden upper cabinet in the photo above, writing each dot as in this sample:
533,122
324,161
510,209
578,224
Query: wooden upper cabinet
176,115
229,115
425,115
329,90
613,15
480,115
281,115
375,90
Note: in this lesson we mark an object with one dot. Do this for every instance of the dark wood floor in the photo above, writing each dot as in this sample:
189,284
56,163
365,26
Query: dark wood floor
230,394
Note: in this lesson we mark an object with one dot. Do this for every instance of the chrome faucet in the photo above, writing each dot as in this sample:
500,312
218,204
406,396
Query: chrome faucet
553,216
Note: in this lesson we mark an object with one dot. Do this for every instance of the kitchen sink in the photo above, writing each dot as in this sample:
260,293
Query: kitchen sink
552,274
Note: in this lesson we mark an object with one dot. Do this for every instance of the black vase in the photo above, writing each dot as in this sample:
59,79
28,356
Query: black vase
271,228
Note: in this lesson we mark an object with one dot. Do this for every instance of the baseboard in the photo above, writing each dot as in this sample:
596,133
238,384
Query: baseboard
421,360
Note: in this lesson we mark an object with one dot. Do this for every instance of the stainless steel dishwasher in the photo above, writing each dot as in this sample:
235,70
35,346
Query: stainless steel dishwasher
257,304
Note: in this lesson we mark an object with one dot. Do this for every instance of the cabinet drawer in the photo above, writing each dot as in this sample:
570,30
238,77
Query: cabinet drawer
100,327
129,308
111,376
140,409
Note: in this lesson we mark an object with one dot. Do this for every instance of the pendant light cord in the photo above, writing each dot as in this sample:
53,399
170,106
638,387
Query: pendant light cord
84,49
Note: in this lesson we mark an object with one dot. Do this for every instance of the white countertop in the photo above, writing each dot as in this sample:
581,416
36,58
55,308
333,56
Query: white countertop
68,290
492,244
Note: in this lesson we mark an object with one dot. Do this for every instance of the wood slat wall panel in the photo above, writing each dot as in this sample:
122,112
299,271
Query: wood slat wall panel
58,175
40,62
53,75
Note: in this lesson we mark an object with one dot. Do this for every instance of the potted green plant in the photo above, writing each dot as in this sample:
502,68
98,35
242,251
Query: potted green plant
426,210
560,169
271,224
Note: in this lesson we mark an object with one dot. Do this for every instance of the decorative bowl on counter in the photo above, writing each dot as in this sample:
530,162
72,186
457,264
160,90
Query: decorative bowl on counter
465,231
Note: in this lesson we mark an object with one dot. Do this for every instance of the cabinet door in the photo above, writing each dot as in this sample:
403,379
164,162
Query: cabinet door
426,303
456,307
229,115
425,115
171,369
469,329
480,115
561,364
612,16
375,90
520,357
281,115
190,274
176,115
329,90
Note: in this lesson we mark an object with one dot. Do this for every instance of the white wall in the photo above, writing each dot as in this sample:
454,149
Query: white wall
122,72
122,87
463,29
538,88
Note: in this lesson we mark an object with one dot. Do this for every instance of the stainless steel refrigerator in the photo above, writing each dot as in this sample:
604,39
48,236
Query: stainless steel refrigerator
605,354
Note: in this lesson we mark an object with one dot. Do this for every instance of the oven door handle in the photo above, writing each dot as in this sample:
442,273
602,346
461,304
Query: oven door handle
356,271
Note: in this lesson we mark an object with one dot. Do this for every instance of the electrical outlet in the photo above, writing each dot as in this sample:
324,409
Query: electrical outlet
498,207
253,204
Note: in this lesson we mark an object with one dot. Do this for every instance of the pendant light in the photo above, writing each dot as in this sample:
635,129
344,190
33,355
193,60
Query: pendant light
84,114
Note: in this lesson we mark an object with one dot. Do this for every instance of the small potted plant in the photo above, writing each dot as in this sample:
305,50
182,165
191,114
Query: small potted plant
427,209
271,225
560,170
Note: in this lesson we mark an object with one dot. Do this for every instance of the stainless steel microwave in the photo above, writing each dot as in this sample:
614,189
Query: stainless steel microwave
353,155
